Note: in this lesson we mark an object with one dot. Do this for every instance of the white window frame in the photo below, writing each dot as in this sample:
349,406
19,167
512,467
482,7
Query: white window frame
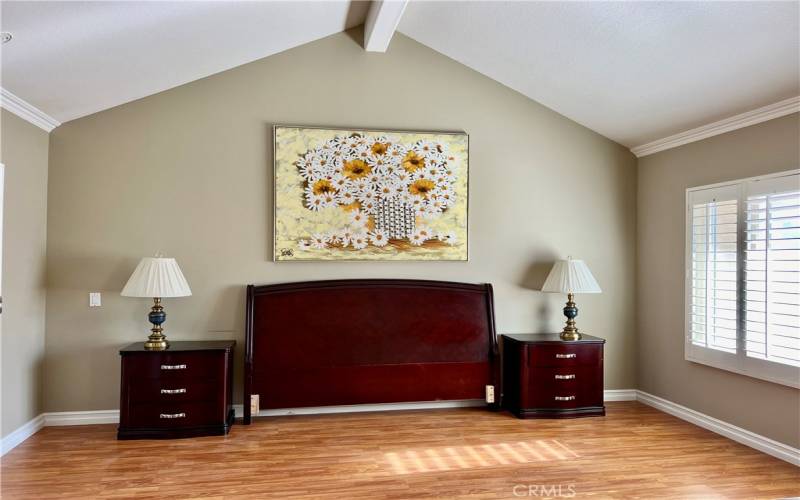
739,362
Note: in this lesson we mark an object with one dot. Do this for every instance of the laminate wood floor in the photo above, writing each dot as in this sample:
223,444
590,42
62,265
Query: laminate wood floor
633,452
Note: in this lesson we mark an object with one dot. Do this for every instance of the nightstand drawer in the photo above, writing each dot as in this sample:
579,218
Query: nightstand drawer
565,355
176,366
565,387
152,390
168,415
565,399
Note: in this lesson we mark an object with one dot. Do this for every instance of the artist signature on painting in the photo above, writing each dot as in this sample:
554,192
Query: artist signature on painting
287,252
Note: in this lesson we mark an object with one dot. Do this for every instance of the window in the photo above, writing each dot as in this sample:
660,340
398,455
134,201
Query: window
743,277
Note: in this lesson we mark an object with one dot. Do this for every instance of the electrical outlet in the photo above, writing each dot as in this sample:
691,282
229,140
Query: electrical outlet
254,405
94,299
490,394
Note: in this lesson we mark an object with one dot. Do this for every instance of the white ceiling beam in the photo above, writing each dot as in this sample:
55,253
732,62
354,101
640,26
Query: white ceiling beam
382,20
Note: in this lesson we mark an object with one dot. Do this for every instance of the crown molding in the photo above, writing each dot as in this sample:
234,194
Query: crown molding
27,111
769,112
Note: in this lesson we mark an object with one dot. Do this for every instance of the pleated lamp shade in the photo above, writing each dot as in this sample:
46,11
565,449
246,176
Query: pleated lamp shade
157,277
571,276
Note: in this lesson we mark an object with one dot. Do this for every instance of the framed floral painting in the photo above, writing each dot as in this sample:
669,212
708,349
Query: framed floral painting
370,194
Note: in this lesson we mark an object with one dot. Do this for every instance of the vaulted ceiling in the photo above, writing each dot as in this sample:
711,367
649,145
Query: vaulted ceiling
632,71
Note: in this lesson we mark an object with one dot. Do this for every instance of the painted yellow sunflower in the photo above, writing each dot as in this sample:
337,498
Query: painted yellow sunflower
323,186
421,187
356,169
413,162
379,148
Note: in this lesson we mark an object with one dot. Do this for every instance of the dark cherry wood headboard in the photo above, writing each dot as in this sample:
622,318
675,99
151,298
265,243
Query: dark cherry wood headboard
347,342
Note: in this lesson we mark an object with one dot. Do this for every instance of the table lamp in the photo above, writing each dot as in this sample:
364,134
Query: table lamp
570,276
157,277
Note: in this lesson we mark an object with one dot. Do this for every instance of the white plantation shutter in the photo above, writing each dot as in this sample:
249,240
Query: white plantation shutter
772,279
714,315
743,277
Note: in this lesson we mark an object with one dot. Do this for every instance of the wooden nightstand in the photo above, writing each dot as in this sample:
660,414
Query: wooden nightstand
546,377
183,391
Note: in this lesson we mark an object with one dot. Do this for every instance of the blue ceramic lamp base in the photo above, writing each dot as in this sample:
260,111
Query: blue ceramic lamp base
156,341
570,331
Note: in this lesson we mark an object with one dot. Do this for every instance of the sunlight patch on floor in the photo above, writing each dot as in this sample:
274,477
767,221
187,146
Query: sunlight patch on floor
471,457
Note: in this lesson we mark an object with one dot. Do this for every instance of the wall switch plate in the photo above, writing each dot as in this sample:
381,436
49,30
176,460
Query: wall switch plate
490,394
94,299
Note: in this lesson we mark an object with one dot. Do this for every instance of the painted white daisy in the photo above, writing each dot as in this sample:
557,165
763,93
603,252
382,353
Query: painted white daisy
377,163
396,152
360,241
304,245
361,153
430,211
379,238
314,202
386,170
424,148
319,241
358,218
345,236
433,171
447,196
425,233
402,177
369,207
346,197
416,238
435,204
306,169
329,199
369,194
405,197
387,189
374,179
417,202
361,185
338,181
449,238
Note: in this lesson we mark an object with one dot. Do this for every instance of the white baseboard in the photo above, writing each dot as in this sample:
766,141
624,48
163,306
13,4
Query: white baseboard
22,433
619,395
81,417
743,436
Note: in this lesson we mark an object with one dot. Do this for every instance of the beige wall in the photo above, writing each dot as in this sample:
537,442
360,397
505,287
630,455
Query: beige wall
765,408
24,152
188,172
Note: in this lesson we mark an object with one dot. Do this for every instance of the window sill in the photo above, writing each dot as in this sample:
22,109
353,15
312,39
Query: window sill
775,373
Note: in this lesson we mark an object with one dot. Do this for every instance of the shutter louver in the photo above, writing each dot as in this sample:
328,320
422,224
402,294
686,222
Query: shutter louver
772,276
714,315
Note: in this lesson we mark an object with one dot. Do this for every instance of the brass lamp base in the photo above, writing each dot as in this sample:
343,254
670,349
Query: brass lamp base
570,331
157,341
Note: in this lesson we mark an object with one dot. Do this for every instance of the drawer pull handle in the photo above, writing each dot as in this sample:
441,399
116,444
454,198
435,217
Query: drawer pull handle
173,391
566,356
172,415
565,377
565,398
173,367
